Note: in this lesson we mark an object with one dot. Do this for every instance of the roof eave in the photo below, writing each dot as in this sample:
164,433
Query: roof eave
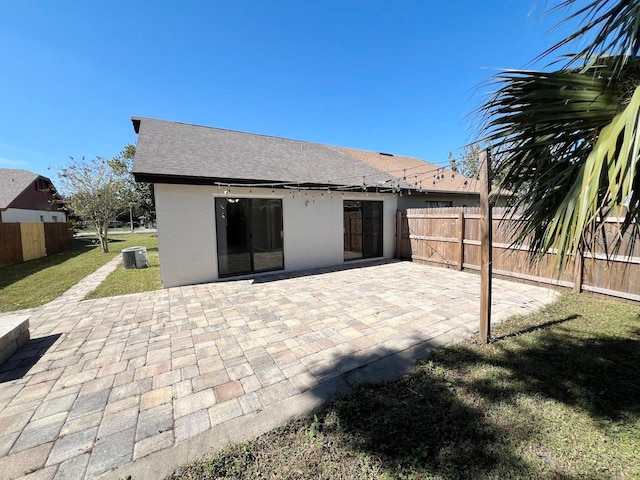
450,192
221,181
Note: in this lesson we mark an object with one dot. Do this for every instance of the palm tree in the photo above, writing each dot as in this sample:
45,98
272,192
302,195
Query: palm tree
568,141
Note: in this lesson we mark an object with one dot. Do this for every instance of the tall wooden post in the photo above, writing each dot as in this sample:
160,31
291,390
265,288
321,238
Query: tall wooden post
486,263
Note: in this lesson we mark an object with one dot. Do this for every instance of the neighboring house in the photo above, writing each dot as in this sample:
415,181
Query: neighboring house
230,203
28,197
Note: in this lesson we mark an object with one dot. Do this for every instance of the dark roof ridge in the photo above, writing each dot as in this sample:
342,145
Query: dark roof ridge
13,181
333,147
168,149
276,137
183,149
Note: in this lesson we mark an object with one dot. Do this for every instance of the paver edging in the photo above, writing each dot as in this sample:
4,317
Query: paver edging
163,462
14,333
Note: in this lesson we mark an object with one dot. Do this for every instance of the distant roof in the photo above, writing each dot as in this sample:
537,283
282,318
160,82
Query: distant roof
418,173
12,183
179,152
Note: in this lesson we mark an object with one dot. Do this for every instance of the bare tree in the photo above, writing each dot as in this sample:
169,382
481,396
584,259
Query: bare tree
141,193
95,192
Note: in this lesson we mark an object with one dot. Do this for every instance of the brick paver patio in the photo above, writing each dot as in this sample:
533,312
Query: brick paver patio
103,383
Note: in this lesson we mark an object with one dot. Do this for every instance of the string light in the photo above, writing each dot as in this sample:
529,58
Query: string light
392,182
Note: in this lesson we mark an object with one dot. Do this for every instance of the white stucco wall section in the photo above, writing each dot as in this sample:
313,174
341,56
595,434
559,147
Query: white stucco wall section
312,226
312,230
11,215
186,235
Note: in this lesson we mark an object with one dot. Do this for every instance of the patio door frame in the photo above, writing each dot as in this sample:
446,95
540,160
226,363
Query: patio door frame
222,234
367,217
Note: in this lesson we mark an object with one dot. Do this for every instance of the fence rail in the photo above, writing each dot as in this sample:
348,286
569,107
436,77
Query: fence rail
450,237
20,242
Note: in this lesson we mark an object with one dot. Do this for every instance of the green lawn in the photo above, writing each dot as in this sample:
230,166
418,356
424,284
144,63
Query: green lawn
558,396
36,282
121,281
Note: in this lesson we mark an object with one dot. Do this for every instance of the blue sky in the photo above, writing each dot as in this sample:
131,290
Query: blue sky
394,76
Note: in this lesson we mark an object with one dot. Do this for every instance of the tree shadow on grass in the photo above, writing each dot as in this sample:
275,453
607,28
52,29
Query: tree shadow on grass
598,375
534,328
417,424
10,274
420,424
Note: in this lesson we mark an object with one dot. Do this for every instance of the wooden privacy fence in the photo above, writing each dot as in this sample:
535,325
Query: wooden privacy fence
20,242
352,231
451,237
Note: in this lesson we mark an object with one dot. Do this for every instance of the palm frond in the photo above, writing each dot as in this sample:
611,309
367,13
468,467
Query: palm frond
568,142
613,29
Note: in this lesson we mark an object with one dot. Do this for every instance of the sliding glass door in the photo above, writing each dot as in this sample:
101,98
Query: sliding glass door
249,235
362,229
371,229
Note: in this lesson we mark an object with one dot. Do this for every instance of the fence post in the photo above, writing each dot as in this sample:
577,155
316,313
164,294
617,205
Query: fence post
578,271
486,264
398,233
461,240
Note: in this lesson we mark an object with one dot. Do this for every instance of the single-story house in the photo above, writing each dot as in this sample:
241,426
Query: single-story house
28,197
230,203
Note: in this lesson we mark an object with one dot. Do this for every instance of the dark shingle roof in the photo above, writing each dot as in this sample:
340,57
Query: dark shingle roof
182,150
12,183
195,153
